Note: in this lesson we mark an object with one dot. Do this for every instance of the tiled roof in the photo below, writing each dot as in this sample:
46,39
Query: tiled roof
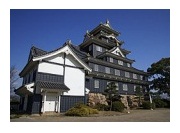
51,85
37,52
77,50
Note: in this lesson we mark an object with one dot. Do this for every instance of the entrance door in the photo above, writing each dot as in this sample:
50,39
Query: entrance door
50,104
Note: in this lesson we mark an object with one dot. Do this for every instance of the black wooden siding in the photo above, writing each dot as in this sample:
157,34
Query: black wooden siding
49,77
89,83
68,102
29,104
37,104
21,103
112,71
95,52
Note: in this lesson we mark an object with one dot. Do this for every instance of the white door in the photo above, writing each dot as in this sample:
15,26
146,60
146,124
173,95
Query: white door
50,103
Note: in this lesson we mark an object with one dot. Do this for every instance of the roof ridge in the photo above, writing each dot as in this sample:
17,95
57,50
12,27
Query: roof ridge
34,47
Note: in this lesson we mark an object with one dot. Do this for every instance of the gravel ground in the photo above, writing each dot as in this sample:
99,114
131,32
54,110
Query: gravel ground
158,115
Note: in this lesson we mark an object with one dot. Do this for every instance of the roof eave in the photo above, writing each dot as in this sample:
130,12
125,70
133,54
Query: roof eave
103,26
27,67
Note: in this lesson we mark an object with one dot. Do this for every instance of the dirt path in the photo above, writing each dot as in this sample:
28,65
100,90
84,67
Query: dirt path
158,115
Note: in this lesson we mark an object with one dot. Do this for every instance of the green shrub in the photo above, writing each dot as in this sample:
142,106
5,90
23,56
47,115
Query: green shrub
148,105
118,106
77,112
102,107
159,103
81,110
93,111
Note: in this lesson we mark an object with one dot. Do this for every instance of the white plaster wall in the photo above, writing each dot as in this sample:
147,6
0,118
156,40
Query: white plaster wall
71,61
74,79
57,58
50,68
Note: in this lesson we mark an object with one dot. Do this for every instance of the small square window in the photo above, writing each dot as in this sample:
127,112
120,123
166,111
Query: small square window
128,65
98,48
134,76
96,67
117,72
125,87
127,74
111,59
134,88
96,83
141,77
107,69
120,62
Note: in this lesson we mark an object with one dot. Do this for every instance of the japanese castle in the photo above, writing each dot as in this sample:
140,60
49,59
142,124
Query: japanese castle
56,80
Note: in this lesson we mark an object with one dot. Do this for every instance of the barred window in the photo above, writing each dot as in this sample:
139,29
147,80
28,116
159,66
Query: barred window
127,74
134,88
111,59
141,77
96,67
98,48
120,62
117,85
134,76
107,69
96,83
125,87
117,72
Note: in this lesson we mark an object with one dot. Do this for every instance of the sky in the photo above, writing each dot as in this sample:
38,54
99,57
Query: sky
146,32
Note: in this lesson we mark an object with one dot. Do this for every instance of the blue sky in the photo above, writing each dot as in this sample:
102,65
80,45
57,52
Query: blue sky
146,33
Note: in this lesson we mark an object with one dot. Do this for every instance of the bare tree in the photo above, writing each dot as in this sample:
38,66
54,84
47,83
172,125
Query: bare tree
13,78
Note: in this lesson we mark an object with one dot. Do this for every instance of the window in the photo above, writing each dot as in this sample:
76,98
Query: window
117,86
128,65
125,87
117,72
107,69
116,83
105,40
111,59
98,48
141,77
134,88
96,67
127,74
96,83
134,76
120,62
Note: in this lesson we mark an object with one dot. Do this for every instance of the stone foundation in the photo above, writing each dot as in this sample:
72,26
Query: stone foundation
131,101
96,98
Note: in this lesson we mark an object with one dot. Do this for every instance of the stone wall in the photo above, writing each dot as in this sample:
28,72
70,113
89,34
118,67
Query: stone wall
131,101
96,98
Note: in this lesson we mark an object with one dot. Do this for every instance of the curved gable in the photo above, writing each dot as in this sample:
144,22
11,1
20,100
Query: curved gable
66,49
